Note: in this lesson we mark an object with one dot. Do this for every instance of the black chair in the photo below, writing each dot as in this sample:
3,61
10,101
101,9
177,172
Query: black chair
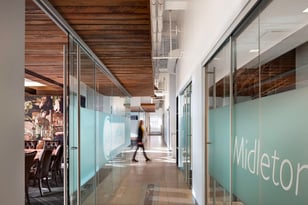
29,161
40,173
55,166
30,144
51,144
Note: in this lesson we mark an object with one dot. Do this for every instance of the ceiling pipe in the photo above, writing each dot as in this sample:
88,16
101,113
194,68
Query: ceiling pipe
170,33
61,22
153,26
157,9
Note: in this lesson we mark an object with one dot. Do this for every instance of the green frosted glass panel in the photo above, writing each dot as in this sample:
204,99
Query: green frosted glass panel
270,163
111,140
87,147
73,143
96,137
219,149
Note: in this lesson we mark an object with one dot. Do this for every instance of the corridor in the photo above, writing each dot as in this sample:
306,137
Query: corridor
158,182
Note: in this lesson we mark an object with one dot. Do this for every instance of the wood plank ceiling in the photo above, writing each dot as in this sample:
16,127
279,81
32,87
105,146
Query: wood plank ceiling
43,51
117,31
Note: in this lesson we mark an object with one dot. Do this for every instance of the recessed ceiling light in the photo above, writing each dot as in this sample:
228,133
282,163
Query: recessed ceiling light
30,83
254,51
306,10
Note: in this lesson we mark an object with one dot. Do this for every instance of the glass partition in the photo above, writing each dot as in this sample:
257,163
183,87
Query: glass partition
87,128
257,109
185,134
218,84
73,178
99,128
181,135
270,93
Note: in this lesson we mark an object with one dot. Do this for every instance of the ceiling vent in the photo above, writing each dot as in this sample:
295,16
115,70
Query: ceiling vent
175,4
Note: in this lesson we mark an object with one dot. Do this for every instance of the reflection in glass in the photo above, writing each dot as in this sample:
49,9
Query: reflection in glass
219,82
269,52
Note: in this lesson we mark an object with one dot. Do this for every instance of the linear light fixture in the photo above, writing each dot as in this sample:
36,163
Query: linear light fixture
254,51
306,10
31,83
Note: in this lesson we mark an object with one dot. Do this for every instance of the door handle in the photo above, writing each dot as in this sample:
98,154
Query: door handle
74,148
208,142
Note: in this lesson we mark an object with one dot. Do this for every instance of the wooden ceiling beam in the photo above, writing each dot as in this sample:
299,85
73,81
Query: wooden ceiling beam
58,3
142,9
115,33
109,22
112,27
107,17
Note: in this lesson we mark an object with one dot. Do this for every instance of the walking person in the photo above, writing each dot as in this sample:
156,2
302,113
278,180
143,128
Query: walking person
140,142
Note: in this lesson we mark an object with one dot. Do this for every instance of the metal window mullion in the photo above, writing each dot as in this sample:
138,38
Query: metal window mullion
95,131
231,104
65,104
187,127
214,86
78,126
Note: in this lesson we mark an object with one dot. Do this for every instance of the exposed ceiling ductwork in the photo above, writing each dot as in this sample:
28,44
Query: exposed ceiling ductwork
166,21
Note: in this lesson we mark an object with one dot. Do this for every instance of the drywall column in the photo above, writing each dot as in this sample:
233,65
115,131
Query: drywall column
172,109
12,100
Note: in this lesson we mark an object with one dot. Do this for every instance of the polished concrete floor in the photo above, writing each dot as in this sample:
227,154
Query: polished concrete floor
157,182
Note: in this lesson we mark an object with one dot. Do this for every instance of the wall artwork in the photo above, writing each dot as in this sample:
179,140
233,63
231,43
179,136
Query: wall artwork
43,117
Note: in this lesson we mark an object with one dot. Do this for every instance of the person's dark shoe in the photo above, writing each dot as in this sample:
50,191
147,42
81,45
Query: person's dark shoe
134,160
147,160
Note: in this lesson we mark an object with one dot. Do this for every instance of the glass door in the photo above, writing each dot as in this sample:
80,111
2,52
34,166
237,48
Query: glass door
184,141
187,148
87,129
218,127
82,137
73,108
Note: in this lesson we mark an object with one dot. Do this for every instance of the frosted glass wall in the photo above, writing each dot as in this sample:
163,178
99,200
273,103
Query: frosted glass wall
99,125
185,133
259,131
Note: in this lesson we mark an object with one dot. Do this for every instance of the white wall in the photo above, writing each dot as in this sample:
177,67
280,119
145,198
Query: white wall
206,21
172,102
198,137
12,101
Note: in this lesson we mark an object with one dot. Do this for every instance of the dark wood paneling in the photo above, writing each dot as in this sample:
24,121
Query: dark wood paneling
117,31
43,51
